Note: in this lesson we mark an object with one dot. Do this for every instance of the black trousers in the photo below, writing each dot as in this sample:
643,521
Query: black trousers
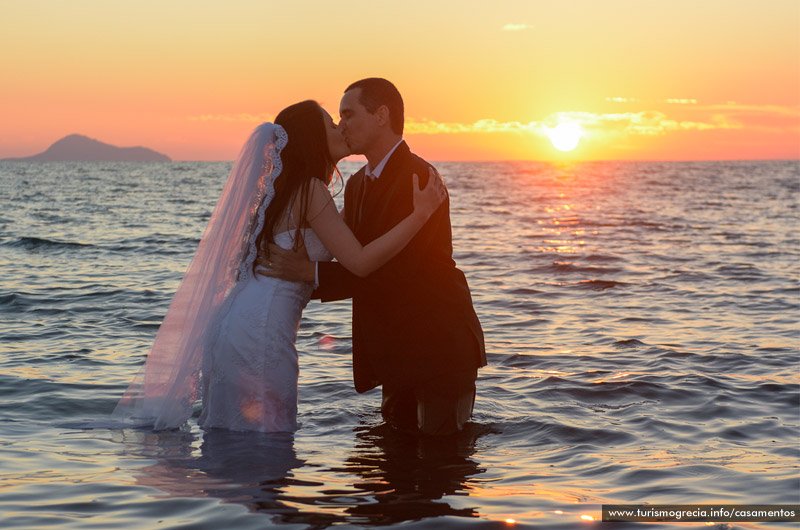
439,406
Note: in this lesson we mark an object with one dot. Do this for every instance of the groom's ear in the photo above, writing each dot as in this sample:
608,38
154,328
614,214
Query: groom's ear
382,115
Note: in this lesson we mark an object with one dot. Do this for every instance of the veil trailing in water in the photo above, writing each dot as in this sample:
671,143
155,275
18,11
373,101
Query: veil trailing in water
164,391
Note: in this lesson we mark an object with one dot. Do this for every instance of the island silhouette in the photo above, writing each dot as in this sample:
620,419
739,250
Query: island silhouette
79,148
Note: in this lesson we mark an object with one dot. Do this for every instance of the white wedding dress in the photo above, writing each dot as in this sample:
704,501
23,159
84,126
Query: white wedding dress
250,366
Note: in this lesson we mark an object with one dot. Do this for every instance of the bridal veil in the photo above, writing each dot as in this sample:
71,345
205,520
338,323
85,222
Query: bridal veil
164,391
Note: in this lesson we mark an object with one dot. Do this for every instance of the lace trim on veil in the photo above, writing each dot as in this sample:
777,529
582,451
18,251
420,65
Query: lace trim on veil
246,268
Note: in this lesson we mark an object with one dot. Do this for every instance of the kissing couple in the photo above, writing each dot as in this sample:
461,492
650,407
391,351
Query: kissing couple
229,334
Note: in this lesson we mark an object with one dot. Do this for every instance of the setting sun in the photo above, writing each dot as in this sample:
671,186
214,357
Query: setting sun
565,136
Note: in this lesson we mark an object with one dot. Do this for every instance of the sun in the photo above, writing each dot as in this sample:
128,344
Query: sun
565,136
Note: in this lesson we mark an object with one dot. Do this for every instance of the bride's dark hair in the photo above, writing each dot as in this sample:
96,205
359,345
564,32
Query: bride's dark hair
305,157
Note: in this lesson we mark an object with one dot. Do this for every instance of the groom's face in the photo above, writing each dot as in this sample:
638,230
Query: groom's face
358,125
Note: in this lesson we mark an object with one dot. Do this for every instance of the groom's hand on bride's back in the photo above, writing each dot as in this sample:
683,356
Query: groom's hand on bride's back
290,265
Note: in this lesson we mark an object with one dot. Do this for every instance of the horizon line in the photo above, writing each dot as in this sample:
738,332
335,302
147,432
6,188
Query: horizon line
487,161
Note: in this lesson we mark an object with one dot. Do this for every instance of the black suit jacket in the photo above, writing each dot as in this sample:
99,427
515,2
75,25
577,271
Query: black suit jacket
413,318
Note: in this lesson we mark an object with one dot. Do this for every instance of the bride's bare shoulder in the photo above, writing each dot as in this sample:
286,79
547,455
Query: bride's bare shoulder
318,198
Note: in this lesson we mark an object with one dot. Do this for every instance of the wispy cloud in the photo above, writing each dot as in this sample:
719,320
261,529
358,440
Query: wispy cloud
636,123
762,118
426,126
516,27
675,101
644,123
729,116
777,110
622,100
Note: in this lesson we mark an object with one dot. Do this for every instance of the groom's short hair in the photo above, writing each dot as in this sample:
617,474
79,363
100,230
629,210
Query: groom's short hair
376,91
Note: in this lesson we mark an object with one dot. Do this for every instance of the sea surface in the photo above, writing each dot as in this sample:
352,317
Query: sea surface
641,322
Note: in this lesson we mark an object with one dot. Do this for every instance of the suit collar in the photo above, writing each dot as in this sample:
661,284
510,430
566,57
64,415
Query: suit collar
376,173
401,151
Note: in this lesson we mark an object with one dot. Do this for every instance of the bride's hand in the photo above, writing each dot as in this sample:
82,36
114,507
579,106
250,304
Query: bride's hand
289,265
428,200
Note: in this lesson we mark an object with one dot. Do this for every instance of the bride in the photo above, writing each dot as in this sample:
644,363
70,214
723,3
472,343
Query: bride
231,332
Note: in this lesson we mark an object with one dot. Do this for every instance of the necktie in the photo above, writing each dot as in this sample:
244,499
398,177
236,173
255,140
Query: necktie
368,182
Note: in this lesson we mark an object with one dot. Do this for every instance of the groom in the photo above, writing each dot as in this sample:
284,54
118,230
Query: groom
415,331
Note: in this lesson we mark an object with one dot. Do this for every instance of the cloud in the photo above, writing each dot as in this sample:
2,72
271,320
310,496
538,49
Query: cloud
775,110
426,126
516,27
622,100
649,122
675,101
762,118
728,116
633,123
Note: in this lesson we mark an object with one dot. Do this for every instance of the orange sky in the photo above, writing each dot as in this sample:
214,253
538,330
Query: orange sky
678,80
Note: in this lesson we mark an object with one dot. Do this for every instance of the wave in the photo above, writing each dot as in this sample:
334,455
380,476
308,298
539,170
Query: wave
629,343
603,257
598,285
561,266
37,243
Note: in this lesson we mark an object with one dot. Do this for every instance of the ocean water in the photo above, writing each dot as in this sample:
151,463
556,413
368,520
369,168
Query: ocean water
641,321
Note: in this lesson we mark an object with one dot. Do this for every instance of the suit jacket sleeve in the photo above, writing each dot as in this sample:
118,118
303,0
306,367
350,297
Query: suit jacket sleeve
335,282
